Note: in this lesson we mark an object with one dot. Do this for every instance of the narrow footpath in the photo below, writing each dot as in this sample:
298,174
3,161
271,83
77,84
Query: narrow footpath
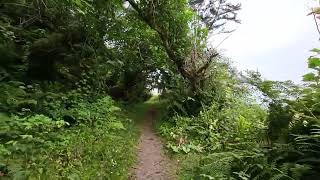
152,163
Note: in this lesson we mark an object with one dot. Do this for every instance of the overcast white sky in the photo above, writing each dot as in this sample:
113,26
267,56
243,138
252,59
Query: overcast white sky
275,37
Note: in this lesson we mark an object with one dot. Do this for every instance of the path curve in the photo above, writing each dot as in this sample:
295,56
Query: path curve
152,162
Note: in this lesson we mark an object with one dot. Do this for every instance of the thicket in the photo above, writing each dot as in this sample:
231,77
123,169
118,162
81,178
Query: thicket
277,138
60,61
251,128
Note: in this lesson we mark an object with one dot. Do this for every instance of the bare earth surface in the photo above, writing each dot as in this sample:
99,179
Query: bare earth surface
152,163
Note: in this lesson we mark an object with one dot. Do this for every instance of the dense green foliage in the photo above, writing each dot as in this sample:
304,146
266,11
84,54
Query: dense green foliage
240,139
59,63
71,72
39,146
251,129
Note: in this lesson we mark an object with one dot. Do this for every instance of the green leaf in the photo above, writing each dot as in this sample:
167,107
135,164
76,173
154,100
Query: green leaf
313,62
4,117
26,136
31,102
74,176
4,151
174,148
12,142
61,123
309,77
186,149
114,108
316,50
117,126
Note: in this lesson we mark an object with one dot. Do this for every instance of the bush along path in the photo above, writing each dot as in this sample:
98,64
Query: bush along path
100,146
151,161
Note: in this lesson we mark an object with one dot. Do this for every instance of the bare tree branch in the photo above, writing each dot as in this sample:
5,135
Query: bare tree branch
316,22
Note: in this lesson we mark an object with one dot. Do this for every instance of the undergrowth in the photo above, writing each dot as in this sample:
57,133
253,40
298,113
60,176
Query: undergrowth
100,143
240,139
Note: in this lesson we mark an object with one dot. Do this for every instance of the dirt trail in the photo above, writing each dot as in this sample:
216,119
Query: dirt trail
152,163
